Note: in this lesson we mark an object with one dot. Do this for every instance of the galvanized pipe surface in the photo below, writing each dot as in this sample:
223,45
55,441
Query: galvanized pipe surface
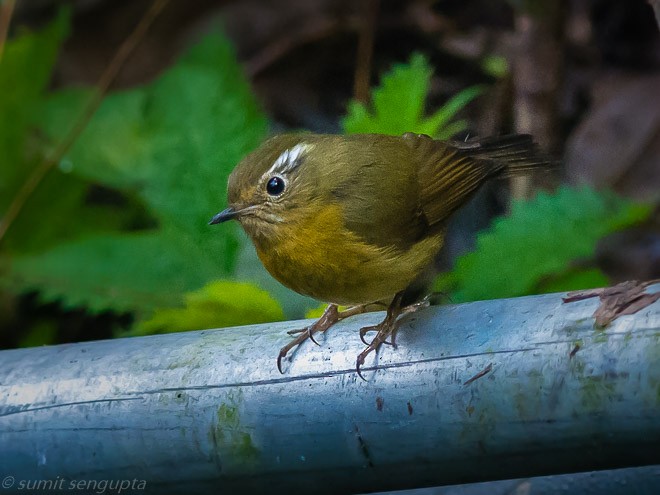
480,391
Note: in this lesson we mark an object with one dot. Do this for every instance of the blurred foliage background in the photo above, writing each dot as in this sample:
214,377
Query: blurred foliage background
121,121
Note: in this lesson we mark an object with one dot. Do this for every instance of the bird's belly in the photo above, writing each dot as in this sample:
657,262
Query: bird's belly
341,268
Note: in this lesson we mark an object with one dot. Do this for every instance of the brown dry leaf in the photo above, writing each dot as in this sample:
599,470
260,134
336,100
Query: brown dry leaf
579,295
626,298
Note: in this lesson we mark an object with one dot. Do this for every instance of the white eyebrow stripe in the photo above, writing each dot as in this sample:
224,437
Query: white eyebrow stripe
289,159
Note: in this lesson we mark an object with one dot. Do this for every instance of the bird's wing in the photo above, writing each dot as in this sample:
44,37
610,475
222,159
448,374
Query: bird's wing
378,191
450,172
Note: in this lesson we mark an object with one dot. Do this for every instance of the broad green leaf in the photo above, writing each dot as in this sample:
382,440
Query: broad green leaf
216,305
115,271
170,146
398,105
25,70
529,250
60,208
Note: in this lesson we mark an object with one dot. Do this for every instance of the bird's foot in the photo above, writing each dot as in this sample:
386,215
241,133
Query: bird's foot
374,328
385,329
388,327
424,303
330,316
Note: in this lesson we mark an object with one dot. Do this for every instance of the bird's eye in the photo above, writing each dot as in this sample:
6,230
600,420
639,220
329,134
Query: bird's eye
275,186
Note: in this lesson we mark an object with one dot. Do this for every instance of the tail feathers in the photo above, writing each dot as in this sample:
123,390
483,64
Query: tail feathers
508,155
451,172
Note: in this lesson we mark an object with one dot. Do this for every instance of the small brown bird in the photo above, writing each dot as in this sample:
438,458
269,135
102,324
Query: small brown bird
358,220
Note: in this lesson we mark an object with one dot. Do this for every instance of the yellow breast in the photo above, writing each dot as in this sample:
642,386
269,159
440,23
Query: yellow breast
320,258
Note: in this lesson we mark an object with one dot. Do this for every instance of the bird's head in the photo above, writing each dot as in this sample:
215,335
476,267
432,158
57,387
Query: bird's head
271,187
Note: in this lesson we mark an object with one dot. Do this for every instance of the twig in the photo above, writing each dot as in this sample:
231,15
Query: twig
365,50
106,79
6,12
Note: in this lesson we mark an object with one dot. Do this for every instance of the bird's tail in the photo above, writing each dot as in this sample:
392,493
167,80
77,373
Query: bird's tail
512,154
451,172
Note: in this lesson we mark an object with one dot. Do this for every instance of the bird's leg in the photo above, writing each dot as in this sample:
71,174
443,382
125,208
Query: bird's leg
412,308
385,328
330,316
424,303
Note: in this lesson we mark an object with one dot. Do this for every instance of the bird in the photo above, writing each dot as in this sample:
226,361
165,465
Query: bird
357,220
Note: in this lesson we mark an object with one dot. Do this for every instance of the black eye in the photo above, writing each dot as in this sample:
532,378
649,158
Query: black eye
275,186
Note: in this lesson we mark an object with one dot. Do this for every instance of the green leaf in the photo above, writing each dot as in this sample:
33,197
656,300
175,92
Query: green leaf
218,304
115,271
574,279
25,70
42,332
398,105
170,145
438,125
60,208
528,250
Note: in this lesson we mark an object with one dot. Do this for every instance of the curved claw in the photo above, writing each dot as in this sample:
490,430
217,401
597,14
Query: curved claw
363,332
279,362
310,334
360,362
366,330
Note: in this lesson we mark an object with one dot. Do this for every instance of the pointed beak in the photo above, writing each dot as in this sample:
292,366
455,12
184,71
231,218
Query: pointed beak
226,214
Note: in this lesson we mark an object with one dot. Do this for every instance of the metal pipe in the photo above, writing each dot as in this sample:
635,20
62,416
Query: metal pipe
479,391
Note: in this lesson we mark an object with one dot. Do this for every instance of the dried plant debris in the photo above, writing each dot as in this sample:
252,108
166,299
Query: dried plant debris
481,374
626,298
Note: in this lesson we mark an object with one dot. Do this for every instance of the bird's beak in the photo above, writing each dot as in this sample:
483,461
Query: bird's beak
226,214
